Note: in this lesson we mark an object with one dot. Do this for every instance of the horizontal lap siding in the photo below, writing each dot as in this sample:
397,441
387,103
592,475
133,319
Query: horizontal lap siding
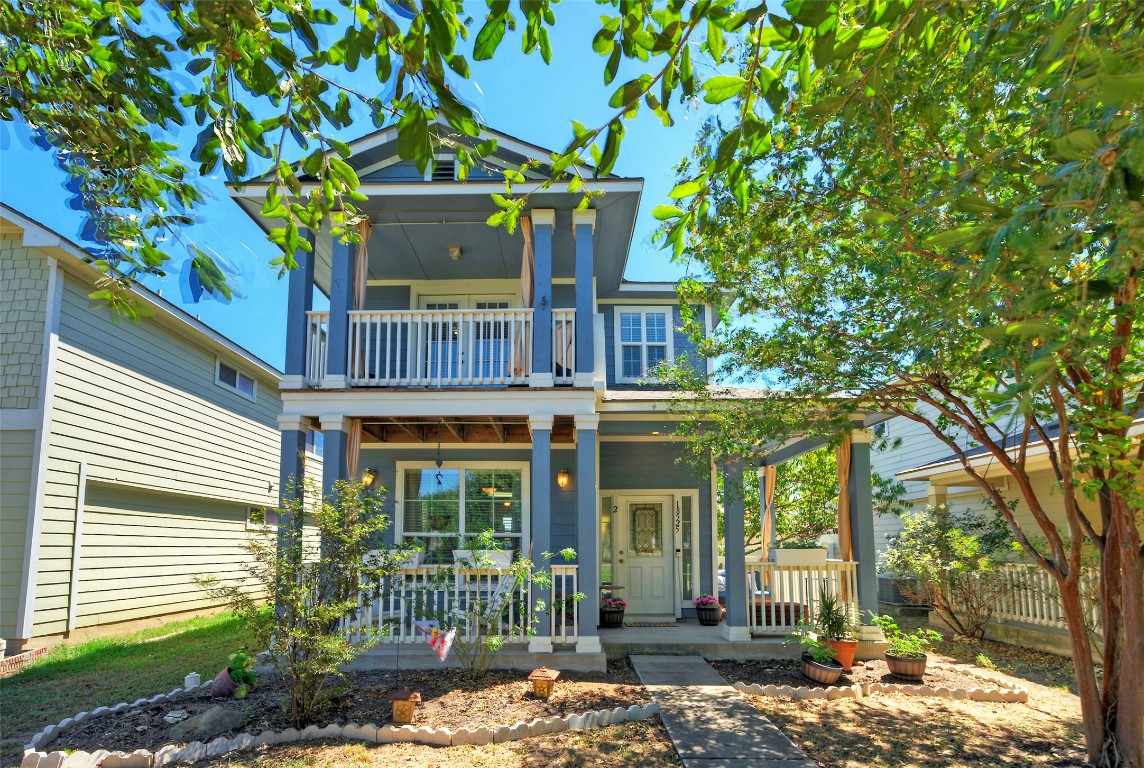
138,404
16,449
141,553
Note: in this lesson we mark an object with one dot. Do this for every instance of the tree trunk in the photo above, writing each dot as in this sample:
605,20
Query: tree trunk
1129,732
1093,711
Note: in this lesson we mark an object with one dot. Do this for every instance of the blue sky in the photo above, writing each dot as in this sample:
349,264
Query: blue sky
517,95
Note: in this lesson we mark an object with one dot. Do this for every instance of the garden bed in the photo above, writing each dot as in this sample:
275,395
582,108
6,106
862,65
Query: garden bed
788,672
450,699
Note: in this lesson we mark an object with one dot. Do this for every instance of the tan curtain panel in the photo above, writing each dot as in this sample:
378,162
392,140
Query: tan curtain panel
845,542
769,474
527,292
361,264
353,449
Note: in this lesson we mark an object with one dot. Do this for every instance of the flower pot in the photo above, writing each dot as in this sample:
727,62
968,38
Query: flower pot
709,614
611,617
802,557
844,652
482,558
827,674
908,667
404,703
223,685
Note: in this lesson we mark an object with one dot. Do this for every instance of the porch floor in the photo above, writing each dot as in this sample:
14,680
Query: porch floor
690,638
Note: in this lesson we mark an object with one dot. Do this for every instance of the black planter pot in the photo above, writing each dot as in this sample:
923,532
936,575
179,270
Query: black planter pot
611,617
709,614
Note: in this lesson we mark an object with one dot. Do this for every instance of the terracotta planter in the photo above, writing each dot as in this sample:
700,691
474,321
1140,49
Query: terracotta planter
611,617
404,702
709,614
827,674
223,685
908,667
844,652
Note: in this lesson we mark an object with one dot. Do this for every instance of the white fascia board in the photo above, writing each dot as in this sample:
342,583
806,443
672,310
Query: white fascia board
425,189
427,403
72,259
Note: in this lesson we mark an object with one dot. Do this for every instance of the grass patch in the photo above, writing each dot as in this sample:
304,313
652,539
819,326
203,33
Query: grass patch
106,671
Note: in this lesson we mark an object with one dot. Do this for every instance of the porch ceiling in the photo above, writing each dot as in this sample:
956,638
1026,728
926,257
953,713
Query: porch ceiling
466,430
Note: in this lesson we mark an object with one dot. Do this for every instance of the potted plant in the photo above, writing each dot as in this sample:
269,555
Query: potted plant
835,626
237,678
612,612
798,552
708,610
817,657
404,554
906,653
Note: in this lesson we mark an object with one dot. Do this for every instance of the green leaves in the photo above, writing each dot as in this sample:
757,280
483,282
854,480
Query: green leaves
492,33
720,88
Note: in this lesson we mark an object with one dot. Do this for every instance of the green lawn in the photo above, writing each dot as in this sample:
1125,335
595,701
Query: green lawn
76,678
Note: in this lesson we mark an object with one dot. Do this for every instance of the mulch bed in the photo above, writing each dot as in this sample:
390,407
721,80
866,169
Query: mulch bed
789,672
449,699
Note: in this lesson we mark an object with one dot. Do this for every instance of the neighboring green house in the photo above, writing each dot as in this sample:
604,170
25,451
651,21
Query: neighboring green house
131,454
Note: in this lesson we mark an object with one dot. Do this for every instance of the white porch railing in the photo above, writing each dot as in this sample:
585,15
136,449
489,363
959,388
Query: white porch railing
427,348
563,345
1033,597
398,603
779,596
317,328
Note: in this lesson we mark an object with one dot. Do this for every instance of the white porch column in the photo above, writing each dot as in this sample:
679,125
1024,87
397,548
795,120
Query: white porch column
541,515
588,530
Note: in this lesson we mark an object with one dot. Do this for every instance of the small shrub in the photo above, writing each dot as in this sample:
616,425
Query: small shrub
984,661
912,645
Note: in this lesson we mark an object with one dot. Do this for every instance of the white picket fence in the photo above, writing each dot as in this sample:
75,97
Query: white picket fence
409,603
779,596
1033,597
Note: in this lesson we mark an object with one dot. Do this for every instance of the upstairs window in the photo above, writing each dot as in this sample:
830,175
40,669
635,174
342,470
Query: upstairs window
230,377
643,341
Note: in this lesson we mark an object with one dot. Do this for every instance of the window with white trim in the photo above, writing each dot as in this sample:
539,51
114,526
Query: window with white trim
230,377
643,341
261,519
448,506
315,442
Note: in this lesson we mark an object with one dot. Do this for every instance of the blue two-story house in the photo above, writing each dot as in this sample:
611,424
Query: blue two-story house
496,380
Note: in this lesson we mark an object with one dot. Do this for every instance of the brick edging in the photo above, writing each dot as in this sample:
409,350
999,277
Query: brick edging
1003,693
370,733
10,665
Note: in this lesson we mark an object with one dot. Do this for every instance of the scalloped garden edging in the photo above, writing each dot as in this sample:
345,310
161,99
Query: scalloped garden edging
1003,693
387,734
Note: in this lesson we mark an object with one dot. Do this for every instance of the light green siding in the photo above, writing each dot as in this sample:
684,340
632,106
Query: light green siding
16,450
138,404
142,551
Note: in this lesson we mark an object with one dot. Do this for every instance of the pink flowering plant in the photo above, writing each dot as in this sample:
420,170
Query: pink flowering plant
613,603
705,601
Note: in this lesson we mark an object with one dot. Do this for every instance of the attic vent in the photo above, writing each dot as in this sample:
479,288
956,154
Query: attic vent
445,170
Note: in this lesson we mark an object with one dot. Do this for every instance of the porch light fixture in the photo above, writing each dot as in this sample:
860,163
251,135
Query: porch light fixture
563,478
454,252
368,475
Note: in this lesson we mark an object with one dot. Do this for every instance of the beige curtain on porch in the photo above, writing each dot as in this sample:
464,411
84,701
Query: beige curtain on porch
845,542
361,277
767,523
527,292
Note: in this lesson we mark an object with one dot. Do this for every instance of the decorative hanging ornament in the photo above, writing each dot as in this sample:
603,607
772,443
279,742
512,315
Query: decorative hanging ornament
439,462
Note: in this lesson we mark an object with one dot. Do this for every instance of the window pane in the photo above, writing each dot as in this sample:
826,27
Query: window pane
655,355
246,385
646,526
633,364
656,327
493,501
432,501
630,327
227,375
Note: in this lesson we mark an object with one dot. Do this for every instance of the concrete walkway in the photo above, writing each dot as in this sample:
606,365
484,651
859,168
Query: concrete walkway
710,723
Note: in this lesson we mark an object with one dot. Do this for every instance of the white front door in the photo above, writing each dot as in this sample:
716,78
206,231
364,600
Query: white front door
645,556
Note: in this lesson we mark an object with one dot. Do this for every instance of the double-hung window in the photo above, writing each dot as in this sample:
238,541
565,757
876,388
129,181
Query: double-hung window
450,506
643,341
230,377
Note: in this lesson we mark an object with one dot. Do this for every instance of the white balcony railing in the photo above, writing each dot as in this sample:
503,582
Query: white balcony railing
430,348
779,596
416,597
563,345
317,331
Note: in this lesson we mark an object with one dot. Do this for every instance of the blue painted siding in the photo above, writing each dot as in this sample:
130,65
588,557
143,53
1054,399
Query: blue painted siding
655,466
681,342
387,297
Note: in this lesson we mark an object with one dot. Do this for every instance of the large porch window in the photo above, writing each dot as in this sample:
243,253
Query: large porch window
448,507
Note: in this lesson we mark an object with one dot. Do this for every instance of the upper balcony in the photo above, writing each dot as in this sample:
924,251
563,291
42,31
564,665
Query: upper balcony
456,348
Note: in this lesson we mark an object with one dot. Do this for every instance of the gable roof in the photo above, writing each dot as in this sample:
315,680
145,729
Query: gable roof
76,260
